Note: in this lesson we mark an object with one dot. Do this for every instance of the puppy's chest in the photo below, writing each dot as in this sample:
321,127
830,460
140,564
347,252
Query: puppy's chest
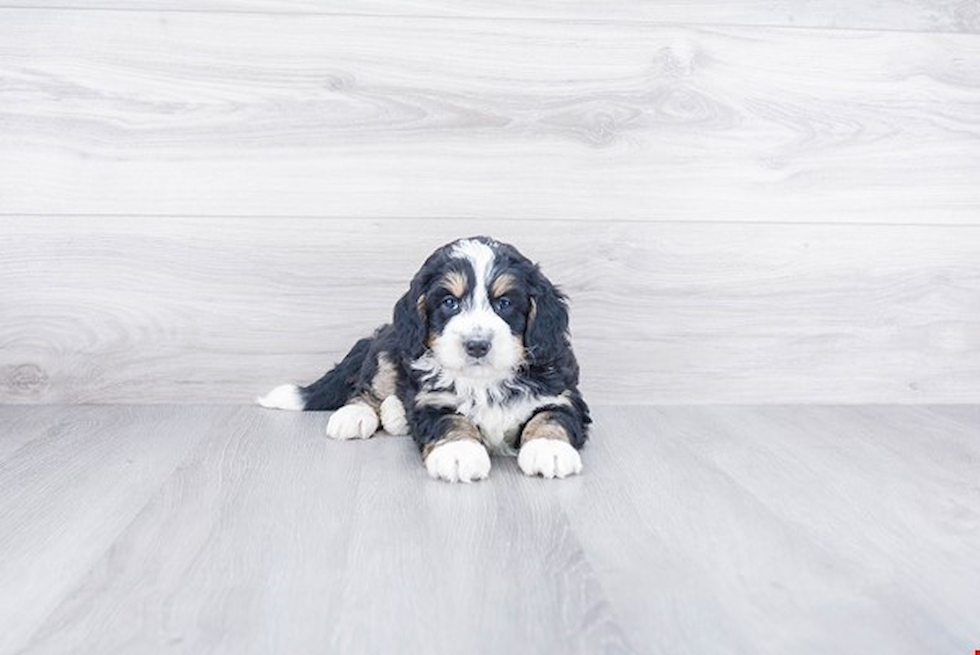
499,423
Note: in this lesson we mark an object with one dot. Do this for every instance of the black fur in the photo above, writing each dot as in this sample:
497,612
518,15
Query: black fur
334,389
429,424
535,311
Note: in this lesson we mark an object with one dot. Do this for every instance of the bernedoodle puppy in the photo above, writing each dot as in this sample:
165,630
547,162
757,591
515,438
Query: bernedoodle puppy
476,359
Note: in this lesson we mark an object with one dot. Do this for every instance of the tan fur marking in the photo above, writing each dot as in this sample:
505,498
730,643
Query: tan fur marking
544,426
460,428
503,284
384,384
435,399
369,399
455,283
385,380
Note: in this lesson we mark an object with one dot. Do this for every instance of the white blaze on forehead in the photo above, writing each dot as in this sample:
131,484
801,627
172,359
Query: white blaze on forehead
480,256
478,320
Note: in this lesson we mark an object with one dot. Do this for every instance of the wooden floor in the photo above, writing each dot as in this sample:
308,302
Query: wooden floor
223,529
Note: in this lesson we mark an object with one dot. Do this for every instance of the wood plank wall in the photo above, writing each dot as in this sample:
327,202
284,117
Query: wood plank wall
747,201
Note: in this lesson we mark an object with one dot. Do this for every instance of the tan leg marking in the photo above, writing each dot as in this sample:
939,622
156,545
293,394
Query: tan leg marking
459,456
544,426
546,450
460,428
385,382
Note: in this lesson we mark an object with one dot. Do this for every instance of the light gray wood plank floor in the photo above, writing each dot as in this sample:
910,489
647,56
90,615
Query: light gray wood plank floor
781,529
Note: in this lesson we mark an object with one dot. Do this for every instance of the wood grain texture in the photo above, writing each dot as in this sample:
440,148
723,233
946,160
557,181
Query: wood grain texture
243,544
741,530
826,522
67,494
909,15
219,114
185,310
21,427
834,451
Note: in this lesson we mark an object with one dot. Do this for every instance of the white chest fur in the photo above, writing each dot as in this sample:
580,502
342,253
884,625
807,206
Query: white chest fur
497,407
498,416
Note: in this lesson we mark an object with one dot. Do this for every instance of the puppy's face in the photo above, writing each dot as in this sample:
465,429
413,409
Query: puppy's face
477,307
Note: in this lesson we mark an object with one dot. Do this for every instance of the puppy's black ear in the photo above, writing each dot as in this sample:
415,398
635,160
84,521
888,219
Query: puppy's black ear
410,319
546,336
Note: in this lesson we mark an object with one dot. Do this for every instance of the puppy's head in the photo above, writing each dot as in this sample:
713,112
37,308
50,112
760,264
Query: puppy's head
483,310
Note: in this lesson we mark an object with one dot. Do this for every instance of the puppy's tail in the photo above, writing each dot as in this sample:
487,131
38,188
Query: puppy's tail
331,391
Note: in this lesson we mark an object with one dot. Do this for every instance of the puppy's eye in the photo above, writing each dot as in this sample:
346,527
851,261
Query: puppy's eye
450,303
502,304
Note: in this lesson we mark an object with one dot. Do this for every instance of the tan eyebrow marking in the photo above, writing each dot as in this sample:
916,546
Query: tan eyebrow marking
455,283
504,283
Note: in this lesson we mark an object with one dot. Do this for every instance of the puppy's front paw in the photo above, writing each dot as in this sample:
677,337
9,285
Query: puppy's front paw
393,418
549,458
357,421
462,460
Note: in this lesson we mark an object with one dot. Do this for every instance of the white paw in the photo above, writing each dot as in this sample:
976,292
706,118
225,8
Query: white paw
549,458
393,418
356,421
464,460
285,396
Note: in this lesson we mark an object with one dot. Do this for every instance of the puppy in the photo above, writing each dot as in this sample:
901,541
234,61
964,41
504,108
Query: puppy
475,360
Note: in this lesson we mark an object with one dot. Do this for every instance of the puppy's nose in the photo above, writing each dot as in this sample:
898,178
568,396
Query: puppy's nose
477,347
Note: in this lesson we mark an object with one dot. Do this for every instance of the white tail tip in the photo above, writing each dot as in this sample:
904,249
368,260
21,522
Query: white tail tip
285,396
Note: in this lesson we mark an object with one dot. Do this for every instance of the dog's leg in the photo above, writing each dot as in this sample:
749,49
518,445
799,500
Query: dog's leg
546,445
355,420
452,449
393,418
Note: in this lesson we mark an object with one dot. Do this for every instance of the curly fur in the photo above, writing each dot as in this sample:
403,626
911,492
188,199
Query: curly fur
481,335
